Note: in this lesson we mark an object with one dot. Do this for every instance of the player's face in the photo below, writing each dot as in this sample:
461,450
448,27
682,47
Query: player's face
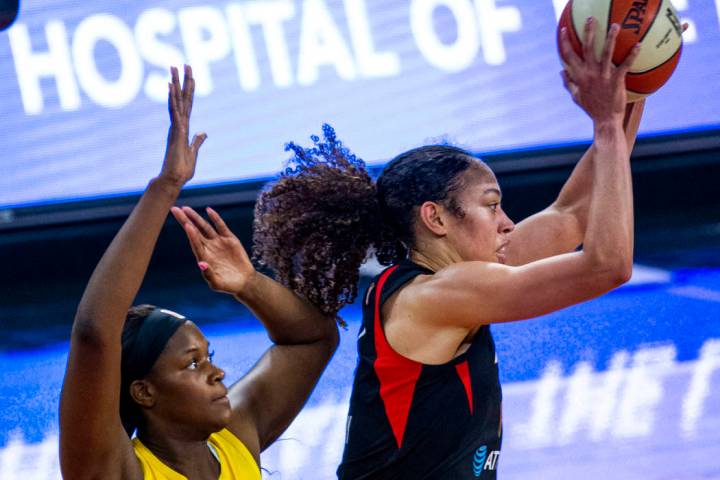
188,386
482,233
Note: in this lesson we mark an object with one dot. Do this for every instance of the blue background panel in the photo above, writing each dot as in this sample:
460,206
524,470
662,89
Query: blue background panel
84,84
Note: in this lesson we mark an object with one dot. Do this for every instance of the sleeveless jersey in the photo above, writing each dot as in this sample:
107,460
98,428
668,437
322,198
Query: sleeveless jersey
236,461
409,420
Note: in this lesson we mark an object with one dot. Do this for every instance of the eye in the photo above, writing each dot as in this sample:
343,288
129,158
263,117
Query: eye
494,206
193,364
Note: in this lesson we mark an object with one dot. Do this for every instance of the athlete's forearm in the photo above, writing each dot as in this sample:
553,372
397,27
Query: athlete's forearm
575,194
288,318
117,277
609,236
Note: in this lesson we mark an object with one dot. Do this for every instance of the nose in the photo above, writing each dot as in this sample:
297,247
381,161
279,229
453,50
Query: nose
216,375
506,225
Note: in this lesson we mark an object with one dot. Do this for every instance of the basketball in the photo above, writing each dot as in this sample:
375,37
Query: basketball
652,23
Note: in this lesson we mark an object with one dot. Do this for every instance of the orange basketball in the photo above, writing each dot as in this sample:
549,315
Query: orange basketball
652,23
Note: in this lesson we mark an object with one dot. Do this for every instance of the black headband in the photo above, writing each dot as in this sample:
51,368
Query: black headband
140,352
150,341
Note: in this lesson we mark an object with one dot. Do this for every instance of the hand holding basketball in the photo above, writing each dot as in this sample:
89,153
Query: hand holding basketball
653,24
597,86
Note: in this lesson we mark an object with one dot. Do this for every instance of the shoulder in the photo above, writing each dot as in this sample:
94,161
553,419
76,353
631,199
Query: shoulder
396,278
225,438
453,278
235,455
124,462
418,329
464,289
399,289
143,454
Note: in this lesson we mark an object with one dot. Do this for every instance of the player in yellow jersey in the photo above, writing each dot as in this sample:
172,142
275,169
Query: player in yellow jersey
147,372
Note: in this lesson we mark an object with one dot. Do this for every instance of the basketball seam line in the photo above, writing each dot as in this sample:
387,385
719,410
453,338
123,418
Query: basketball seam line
572,21
658,66
646,92
573,30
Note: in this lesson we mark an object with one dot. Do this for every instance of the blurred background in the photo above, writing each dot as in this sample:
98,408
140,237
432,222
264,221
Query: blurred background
625,387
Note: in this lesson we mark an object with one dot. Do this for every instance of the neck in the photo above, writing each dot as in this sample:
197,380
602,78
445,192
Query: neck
191,458
434,261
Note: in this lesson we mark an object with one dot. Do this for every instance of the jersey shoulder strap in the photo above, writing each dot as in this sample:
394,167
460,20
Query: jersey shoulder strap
393,279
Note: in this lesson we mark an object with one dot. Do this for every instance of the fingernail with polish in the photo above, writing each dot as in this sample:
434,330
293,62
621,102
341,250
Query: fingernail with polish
203,266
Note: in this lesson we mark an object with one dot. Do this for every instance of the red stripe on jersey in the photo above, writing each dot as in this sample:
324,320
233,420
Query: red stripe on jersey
397,375
463,371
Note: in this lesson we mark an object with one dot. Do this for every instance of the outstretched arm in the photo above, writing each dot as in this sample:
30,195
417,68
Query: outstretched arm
560,228
269,397
89,413
474,293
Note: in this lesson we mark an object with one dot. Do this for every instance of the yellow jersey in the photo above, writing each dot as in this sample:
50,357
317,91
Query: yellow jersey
236,461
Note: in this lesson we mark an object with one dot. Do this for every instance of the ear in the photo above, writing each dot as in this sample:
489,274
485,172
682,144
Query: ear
143,393
432,217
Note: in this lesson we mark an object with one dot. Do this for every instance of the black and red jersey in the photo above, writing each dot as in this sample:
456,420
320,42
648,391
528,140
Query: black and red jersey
409,420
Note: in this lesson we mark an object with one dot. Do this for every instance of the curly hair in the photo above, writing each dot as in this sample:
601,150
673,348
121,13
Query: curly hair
315,224
311,224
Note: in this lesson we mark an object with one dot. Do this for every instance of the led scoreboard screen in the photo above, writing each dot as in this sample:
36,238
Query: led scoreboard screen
84,84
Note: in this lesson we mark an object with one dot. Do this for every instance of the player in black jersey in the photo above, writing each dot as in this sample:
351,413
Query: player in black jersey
426,401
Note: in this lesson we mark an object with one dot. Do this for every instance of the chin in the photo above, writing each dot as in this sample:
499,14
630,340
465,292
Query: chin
225,419
221,418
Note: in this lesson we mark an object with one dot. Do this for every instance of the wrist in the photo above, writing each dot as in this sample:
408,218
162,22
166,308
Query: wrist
166,185
249,288
608,129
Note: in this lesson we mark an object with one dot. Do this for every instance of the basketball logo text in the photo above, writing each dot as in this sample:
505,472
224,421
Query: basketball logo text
674,20
484,460
634,18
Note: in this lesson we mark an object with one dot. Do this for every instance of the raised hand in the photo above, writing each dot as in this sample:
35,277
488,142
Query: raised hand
180,156
221,257
597,86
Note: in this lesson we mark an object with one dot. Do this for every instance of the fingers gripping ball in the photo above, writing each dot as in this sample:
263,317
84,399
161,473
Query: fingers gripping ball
652,23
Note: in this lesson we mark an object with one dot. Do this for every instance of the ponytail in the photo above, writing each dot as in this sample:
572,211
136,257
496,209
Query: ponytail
314,225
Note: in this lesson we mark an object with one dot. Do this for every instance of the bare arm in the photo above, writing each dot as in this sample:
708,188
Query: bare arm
478,292
269,397
560,228
89,405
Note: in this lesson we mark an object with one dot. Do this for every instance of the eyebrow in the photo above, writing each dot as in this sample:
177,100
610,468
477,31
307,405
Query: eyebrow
492,190
196,349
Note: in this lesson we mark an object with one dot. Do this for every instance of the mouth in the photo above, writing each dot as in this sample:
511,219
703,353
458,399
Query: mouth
221,401
222,397
501,252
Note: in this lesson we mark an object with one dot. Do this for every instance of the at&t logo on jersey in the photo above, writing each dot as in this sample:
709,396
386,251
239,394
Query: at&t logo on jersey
484,460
